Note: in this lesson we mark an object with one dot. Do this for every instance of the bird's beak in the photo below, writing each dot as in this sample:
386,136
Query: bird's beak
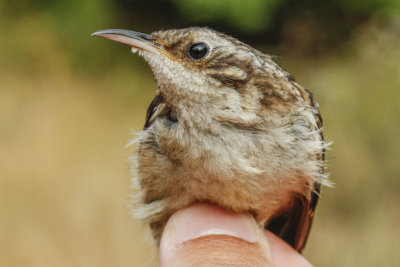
137,40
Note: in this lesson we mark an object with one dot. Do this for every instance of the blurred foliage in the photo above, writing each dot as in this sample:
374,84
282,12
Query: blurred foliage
252,16
30,27
68,100
246,15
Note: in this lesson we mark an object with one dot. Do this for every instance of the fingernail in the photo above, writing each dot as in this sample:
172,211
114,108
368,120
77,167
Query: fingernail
201,220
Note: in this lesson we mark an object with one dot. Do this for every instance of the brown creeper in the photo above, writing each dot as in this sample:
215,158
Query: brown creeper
227,126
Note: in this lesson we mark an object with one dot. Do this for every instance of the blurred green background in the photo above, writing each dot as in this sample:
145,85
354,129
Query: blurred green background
68,103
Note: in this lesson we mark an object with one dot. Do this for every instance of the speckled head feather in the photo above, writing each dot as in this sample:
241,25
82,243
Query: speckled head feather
227,126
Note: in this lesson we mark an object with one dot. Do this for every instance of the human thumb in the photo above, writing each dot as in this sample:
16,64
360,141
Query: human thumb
207,235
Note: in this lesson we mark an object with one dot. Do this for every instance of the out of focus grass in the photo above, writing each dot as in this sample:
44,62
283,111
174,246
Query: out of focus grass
64,174
64,187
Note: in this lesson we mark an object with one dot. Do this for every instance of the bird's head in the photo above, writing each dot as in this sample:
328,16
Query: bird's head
196,60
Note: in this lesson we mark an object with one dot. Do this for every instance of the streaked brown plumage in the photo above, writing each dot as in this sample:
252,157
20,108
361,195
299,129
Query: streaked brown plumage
227,126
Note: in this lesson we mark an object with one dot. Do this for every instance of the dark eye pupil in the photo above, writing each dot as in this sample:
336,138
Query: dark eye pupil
198,51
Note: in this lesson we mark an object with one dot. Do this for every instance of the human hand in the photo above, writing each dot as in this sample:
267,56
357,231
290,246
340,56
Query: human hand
207,235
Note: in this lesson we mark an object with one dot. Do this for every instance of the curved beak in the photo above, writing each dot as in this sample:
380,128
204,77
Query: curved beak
138,40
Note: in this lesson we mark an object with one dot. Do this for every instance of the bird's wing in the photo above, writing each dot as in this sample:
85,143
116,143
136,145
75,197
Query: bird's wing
157,108
294,224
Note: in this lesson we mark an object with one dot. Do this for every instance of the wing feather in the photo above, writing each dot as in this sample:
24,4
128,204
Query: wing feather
156,108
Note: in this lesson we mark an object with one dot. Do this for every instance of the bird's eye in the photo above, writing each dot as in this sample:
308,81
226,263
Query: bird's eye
198,51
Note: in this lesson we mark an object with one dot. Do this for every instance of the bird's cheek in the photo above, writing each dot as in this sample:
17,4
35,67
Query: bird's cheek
234,73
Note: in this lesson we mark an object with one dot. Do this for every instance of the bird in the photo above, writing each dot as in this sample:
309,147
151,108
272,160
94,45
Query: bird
227,126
